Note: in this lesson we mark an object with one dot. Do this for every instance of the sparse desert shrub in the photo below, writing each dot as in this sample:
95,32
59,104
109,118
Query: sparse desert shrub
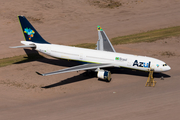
18,84
34,19
168,53
105,3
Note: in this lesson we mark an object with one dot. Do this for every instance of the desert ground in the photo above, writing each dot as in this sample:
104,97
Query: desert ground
74,96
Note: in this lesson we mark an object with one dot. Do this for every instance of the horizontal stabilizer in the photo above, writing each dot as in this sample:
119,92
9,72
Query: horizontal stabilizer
23,46
77,68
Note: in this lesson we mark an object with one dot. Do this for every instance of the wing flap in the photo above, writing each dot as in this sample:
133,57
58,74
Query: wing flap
77,68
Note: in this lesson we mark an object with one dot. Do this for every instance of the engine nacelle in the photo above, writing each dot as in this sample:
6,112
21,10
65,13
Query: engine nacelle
105,75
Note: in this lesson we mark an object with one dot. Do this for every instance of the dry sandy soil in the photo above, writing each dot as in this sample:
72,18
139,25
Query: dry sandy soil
73,96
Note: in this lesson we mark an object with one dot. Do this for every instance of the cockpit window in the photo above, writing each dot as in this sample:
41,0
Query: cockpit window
164,64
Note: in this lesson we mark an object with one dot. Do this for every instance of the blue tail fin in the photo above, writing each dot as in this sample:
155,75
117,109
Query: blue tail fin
30,33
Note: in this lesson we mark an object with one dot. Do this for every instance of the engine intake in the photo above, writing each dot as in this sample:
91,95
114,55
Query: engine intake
104,74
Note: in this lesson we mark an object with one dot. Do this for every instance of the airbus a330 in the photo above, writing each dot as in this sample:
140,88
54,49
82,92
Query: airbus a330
97,60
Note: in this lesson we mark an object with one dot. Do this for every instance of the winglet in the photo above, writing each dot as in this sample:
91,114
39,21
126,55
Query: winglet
99,28
103,42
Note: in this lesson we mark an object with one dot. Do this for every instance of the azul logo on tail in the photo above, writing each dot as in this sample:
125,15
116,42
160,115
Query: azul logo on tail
29,32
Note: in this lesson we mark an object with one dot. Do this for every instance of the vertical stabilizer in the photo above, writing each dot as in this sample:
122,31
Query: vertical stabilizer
29,32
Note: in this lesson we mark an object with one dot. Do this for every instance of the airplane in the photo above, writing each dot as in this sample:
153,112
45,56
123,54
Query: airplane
97,60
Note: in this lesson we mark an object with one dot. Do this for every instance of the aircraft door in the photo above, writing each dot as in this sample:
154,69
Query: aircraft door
48,50
81,56
152,65
129,62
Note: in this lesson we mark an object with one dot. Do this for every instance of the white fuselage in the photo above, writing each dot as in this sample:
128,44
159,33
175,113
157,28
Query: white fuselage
96,56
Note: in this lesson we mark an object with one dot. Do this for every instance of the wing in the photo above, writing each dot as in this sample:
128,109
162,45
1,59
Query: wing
103,42
77,68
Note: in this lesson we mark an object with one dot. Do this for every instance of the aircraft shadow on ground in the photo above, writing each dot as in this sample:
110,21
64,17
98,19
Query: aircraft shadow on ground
77,78
136,72
33,55
83,76
86,76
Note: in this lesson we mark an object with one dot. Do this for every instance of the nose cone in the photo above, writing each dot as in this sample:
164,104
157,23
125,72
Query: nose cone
167,68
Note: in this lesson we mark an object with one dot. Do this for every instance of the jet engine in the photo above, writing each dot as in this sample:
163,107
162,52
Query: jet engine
104,74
